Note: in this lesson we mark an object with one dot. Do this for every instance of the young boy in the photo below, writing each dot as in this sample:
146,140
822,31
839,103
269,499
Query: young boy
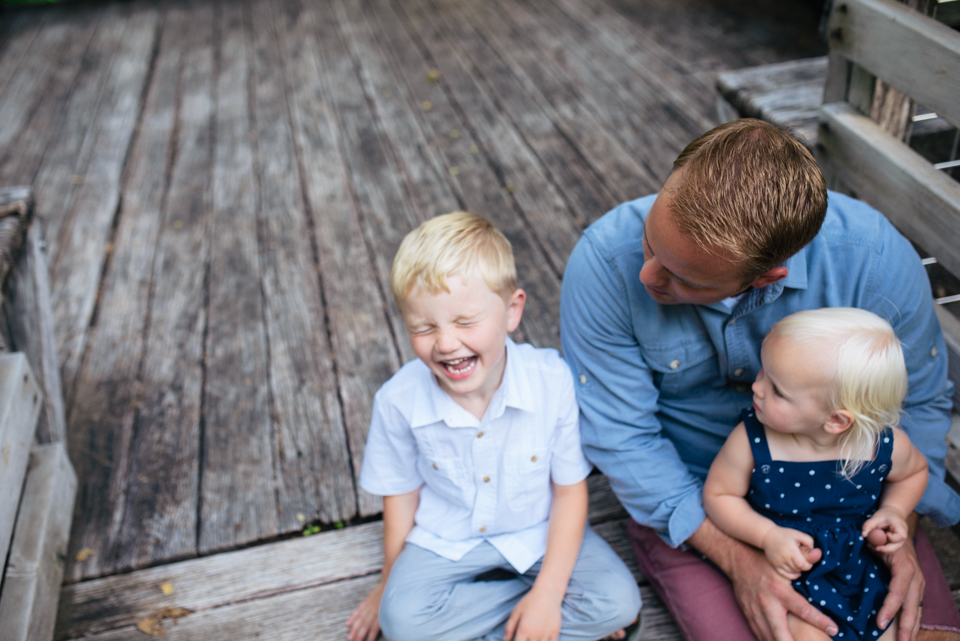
475,448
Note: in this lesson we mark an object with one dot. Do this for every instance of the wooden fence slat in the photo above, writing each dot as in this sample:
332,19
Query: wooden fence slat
214,581
159,518
360,332
31,582
77,257
921,201
238,503
312,463
20,402
107,390
888,38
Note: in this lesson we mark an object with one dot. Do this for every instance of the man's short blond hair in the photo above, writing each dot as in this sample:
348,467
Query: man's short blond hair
455,243
751,189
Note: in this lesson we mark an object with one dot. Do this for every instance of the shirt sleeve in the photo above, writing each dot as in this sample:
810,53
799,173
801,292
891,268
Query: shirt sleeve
902,296
620,431
567,463
391,455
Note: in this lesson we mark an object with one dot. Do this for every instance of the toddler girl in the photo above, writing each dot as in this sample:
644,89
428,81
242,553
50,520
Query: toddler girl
818,466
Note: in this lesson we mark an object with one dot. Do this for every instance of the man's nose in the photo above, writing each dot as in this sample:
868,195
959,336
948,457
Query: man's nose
652,273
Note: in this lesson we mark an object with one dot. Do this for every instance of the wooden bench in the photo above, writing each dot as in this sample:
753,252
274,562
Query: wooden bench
38,481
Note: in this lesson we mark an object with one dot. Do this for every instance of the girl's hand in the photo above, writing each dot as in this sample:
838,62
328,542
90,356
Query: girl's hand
786,550
536,618
364,623
889,522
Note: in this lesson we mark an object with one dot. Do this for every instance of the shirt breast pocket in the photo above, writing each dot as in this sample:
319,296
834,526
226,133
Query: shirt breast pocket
442,471
680,369
528,478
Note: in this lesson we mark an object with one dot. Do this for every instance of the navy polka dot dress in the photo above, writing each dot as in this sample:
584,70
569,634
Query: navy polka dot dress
849,583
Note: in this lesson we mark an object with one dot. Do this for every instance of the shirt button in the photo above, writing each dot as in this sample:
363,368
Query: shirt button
733,322
674,364
583,379
435,466
738,372
486,479
483,528
742,388
533,458
479,434
933,352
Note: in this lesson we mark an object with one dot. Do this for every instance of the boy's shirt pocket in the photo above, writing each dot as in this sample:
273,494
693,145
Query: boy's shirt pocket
527,476
441,466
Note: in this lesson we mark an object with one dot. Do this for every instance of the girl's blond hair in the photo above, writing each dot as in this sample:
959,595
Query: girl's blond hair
455,243
868,377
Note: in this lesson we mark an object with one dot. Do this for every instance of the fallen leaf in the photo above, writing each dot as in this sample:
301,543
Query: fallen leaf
474,149
153,624
300,517
426,105
177,224
84,554
433,75
166,588
454,133
509,189
454,171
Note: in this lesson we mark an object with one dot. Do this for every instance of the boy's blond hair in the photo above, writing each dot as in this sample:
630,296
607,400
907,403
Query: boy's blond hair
751,189
455,243
866,373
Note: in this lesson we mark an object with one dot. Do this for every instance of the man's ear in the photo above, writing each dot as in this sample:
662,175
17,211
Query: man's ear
515,309
770,277
839,422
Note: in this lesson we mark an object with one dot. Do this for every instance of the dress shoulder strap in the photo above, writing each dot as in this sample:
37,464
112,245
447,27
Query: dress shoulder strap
757,436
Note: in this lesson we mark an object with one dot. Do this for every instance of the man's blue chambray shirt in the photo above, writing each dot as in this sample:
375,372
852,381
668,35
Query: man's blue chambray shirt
661,386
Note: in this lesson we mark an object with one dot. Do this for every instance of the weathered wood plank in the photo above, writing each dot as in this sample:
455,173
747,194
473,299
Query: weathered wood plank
21,159
604,505
29,317
360,332
31,582
477,185
20,401
313,474
887,38
237,500
950,325
160,507
18,33
624,174
76,261
108,388
553,220
921,201
787,93
225,578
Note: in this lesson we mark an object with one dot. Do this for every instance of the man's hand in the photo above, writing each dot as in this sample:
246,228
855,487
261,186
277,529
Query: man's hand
764,596
536,618
906,588
786,550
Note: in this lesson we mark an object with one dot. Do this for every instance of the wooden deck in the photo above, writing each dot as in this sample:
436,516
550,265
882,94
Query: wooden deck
223,185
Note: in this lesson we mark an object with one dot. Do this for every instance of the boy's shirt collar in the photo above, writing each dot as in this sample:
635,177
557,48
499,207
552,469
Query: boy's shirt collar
434,405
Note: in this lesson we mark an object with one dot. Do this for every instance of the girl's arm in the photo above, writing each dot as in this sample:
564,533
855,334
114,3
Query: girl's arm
398,514
902,490
728,482
537,616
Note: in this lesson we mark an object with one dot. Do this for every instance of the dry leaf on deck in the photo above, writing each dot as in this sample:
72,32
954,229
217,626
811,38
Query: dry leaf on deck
84,554
153,624
166,588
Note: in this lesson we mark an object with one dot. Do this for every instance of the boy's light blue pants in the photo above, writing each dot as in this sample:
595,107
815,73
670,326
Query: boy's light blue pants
429,597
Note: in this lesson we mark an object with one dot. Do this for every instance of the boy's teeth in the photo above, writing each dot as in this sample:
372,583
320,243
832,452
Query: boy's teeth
452,365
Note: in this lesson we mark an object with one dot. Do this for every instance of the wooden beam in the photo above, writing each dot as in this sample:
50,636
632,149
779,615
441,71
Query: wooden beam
31,583
888,39
921,201
20,400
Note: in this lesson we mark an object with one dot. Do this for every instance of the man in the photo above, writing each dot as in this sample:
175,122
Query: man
665,303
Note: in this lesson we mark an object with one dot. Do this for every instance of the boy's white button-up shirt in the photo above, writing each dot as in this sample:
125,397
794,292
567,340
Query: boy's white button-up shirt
483,479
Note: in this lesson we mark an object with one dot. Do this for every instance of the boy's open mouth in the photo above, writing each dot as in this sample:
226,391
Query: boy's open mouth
460,366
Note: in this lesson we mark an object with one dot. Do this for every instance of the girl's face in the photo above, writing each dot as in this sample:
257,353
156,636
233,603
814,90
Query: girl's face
790,394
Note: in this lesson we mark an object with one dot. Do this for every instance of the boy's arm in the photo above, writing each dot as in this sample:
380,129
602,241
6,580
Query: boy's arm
398,520
537,616
728,482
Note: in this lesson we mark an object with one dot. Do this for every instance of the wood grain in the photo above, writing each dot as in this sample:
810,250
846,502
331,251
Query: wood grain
312,460
108,389
237,500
